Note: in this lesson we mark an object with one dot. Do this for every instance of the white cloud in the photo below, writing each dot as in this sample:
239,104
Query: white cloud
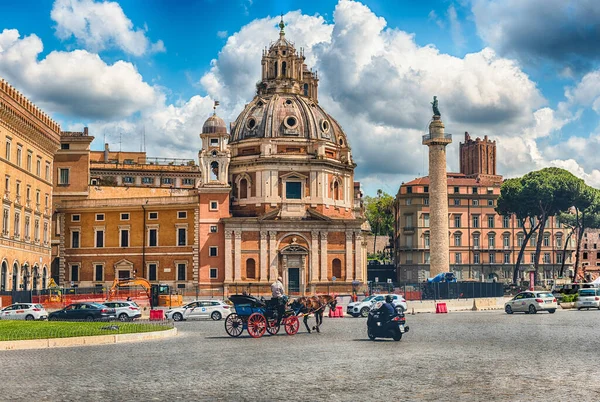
101,25
76,83
222,34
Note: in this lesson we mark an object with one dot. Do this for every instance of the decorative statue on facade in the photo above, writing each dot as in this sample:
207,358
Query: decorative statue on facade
434,104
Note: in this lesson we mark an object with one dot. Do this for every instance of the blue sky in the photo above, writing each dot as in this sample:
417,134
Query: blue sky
526,78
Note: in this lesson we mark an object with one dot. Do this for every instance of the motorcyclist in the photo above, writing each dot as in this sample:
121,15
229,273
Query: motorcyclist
387,309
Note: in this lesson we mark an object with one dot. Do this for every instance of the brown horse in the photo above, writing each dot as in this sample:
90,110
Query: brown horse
314,305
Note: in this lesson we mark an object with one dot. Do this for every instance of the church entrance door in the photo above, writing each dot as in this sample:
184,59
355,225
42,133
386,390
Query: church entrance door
294,281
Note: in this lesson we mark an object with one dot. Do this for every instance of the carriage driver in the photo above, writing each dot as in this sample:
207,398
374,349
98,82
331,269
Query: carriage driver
278,293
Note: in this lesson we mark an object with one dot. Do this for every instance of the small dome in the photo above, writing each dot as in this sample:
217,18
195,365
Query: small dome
214,125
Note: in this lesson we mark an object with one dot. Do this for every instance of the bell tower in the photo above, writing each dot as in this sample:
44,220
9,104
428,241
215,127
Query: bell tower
215,154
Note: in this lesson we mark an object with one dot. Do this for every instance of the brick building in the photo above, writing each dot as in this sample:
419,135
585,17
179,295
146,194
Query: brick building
590,255
29,138
120,214
483,245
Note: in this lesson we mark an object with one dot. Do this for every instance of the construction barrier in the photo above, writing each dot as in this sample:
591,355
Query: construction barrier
338,312
157,315
441,308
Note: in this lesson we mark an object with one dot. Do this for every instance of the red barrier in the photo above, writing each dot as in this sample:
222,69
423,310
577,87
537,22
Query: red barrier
441,308
157,315
338,312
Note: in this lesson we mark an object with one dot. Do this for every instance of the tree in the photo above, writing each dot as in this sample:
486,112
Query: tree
380,214
512,201
548,192
569,222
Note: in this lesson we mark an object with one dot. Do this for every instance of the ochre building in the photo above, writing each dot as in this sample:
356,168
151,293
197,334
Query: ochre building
29,139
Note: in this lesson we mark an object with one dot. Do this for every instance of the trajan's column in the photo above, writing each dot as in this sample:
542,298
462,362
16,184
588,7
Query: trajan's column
436,140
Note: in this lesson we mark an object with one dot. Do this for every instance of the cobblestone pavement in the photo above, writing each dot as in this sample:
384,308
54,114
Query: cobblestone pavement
471,356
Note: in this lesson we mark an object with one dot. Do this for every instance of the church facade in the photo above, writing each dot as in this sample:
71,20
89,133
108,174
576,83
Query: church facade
288,168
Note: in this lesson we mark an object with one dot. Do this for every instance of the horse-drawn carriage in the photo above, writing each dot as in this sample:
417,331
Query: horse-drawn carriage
258,316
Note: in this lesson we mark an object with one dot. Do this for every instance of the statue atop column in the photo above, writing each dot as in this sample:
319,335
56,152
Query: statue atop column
434,104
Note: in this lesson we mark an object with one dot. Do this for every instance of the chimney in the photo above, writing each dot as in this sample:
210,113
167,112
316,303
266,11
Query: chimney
106,151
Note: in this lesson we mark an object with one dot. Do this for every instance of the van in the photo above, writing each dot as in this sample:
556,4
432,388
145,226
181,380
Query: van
588,298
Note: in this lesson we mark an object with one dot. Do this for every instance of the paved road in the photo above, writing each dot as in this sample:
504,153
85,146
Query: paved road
471,356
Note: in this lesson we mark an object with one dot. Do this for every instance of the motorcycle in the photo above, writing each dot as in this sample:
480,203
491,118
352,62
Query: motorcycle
379,327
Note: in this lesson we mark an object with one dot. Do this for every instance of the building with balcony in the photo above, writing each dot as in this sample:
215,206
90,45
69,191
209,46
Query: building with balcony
483,245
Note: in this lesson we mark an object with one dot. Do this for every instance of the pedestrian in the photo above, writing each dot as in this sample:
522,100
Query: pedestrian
129,298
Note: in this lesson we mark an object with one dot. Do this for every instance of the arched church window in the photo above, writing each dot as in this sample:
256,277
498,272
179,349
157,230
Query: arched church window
283,68
214,171
336,268
275,67
243,188
250,268
305,89
336,190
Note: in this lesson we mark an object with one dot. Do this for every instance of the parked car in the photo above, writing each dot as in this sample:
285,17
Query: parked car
531,302
588,298
84,311
361,308
215,309
24,311
125,310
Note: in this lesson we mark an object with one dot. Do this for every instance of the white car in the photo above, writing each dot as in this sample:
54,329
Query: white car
530,302
361,308
215,309
125,310
588,298
24,311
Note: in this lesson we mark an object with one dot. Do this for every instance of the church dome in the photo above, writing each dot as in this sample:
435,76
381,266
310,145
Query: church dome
286,116
214,125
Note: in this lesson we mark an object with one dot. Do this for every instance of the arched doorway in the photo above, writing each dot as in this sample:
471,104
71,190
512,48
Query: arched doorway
3,276
250,268
293,262
26,277
35,278
44,278
15,277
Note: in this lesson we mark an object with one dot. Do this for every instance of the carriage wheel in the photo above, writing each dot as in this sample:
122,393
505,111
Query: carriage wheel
292,324
272,326
257,325
234,325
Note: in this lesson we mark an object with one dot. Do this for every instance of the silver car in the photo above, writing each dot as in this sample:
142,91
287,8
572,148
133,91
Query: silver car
125,310
588,298
215,309
24,311
530,302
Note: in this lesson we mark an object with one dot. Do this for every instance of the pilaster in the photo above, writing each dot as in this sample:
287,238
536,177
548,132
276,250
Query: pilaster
228,257
237,252
323,256
263,257
273,255
314,257
349,259
358,260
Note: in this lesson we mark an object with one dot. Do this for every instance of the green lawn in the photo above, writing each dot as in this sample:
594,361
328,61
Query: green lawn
21,330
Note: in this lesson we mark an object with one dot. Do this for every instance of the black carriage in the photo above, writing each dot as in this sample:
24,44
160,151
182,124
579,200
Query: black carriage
258,316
